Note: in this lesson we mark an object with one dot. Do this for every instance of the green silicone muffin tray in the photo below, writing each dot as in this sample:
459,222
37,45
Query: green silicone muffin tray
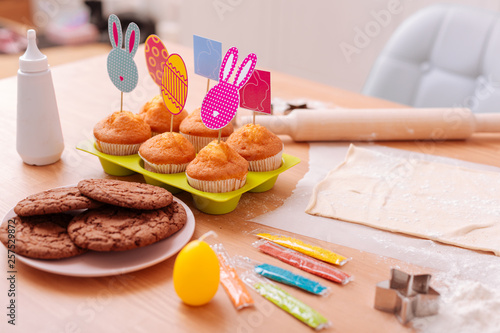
210,203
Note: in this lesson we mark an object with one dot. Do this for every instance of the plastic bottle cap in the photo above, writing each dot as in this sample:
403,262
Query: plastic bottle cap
33,60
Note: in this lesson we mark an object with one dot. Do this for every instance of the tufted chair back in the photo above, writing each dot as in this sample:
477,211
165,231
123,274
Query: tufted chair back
442,56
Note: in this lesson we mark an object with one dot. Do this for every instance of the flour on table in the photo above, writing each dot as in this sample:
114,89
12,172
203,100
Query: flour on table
446,203
465,307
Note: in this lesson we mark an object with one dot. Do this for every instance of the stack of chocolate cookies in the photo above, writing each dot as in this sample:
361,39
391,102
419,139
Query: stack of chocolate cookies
97,214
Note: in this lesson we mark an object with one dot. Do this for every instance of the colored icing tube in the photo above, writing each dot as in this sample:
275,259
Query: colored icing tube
303,262
285,276
232,284
308,249
291,305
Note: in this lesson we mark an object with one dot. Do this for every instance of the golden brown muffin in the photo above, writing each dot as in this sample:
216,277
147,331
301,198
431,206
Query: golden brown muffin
156,115
195,130
121,133
258,145
167,153
217,168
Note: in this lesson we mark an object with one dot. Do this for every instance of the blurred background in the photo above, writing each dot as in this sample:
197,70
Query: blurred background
332,42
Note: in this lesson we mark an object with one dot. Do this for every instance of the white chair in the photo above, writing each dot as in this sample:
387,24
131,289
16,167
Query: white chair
442,56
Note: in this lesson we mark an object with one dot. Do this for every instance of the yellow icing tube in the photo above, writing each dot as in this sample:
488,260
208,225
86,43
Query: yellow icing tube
308,249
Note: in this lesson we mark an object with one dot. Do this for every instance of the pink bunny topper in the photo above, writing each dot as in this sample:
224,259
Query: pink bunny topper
221,102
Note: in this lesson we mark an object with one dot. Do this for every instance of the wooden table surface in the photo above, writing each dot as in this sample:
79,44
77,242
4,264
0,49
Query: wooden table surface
145,300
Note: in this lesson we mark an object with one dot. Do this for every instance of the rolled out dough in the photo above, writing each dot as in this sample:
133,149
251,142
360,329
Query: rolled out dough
445,203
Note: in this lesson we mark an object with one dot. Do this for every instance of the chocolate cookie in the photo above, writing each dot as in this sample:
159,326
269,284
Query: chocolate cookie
114,228
126,194
41,236
54,201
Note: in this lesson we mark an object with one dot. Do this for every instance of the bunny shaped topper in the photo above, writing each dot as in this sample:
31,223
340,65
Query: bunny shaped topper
122,69
221,102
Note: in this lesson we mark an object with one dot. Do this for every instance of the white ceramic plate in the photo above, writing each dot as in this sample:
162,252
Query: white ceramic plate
92,264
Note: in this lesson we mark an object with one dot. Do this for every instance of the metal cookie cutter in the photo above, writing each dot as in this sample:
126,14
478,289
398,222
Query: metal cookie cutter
407,296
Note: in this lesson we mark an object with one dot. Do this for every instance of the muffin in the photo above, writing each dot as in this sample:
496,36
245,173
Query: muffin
157,116
168,152
195,130
121,133
258,145
217,168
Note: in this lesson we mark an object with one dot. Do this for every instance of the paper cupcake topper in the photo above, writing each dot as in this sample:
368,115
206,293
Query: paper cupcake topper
156,57
122,69
221,102
207,57
256,93
174,84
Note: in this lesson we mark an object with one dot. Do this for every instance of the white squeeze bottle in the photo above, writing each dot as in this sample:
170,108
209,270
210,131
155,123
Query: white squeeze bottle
39,139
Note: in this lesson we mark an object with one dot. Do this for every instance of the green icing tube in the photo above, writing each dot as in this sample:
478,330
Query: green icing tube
293,306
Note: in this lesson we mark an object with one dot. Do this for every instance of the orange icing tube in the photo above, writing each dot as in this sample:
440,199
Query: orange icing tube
234,287
308,249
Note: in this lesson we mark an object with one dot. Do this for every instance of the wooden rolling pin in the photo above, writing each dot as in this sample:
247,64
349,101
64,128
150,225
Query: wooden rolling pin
379,124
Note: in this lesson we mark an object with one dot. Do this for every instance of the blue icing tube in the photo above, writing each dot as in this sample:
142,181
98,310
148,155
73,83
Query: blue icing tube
285,276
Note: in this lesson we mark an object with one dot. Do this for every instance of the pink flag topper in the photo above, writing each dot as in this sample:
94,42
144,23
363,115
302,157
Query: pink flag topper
256,93
156,57
221,102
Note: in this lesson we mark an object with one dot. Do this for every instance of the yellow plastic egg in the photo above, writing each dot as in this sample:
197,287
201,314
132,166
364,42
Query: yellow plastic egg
196,273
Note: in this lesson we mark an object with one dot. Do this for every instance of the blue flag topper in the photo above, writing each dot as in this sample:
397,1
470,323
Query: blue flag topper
207,57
